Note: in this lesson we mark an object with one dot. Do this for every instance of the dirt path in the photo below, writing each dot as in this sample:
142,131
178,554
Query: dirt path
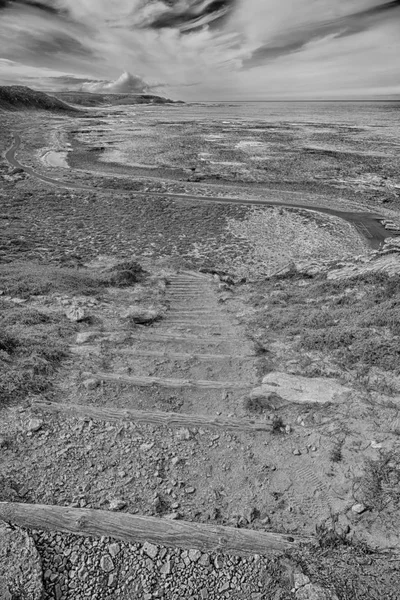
367,224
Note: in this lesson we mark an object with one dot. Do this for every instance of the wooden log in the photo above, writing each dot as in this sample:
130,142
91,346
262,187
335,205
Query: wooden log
167,419
140,529
142,381
180,355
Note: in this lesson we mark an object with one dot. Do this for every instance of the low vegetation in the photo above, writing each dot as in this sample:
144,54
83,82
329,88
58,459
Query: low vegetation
32,346
356,321
33,342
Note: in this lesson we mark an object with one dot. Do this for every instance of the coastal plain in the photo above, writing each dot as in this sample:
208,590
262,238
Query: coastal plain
226,267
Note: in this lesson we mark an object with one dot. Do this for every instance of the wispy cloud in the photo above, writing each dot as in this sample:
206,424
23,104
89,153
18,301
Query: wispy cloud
210,48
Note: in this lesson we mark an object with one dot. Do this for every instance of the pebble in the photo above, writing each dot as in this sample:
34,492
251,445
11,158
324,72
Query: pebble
297,452
106,563
117,504
358,509
35,425
113,549
194,555
150,549
90,384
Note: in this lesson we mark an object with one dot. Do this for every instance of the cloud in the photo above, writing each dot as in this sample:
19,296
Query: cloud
125,84
205,49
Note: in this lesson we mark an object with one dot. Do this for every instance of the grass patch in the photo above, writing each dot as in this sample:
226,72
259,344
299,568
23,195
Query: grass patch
25,279
356,322
32,346
379,486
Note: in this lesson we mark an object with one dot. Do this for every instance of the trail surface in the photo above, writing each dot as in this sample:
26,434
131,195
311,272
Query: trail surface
366,223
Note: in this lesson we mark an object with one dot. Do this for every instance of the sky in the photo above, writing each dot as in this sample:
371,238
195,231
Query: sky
205,49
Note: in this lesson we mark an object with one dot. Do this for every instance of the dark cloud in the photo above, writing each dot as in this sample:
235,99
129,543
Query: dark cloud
342,27
192,14
46,6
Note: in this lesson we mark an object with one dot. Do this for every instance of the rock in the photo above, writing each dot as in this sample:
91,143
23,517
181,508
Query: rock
20,565
166,568
150,549
300,580
297,452
299,389
141,315
183,434
358,509
174,461
91,384
114,549
190,490
146,447
34,425
76,314
174,516
204,594
117,504
194,555
106,563
204,560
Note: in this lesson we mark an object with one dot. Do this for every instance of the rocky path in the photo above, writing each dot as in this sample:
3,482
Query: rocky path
195,364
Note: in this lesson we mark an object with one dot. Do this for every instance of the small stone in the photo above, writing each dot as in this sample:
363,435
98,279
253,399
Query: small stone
114,549
174,516
224,587
190,490
358,509
175,461
204,593
117,504
194,555
300,579
150,549
90,384
166,568
376,445
146,447
297,452
204,560
58,592
106,563
183,434
112,578
76,314
35,425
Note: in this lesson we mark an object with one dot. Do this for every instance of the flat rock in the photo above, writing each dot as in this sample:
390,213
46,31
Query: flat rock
304,390
20,565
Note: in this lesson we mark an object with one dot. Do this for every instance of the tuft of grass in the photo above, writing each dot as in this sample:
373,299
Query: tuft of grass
32,347
125,274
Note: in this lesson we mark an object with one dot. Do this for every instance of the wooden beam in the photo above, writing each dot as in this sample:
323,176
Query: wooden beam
142,381
167,419
140,529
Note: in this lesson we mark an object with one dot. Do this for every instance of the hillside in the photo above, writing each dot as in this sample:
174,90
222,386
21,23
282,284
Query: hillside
16,97
89,99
